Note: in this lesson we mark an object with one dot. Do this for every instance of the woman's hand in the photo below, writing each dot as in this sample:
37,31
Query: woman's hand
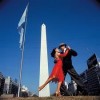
69,47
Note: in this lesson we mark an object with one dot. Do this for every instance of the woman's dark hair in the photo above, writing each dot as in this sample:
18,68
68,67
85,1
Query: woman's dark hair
53,52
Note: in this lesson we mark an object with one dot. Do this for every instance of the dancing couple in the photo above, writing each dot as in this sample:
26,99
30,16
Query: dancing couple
63,65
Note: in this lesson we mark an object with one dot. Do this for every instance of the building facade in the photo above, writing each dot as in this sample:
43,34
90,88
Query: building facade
10,86
84,77
2,81
72,87
91,76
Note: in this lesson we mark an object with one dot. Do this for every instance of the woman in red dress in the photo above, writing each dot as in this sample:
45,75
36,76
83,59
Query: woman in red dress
57,72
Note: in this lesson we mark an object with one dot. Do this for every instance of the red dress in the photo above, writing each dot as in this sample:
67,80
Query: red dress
57,71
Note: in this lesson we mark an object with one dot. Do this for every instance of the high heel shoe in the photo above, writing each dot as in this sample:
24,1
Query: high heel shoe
58,93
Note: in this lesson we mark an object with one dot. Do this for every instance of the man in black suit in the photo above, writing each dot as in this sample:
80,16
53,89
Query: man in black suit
68,68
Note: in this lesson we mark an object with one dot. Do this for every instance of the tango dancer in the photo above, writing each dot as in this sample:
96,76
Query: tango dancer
68,68
57,72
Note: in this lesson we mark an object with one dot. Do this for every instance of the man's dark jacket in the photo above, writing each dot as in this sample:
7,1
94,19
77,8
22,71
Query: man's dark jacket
67,61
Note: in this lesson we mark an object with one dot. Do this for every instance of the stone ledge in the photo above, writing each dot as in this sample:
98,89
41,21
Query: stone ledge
54,98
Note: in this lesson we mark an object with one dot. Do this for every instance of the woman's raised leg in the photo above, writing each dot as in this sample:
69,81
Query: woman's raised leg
47,81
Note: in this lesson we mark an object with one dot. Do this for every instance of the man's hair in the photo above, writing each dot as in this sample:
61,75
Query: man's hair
62,44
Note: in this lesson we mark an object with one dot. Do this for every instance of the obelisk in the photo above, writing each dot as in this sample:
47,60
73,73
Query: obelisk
44,63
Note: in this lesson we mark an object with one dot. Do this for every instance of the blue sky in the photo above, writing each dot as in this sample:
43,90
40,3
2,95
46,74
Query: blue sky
74,22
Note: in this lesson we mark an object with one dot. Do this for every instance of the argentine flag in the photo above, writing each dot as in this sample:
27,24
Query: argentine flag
21,27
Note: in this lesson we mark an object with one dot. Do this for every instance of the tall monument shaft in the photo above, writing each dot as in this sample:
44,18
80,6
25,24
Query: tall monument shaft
43,63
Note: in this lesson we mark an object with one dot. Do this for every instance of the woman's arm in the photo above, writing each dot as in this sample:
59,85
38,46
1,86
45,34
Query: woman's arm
64,54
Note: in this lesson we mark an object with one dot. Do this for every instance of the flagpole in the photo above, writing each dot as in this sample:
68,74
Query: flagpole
22,59
20,75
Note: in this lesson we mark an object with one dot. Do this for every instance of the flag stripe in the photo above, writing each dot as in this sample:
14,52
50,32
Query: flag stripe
21,26
23,18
